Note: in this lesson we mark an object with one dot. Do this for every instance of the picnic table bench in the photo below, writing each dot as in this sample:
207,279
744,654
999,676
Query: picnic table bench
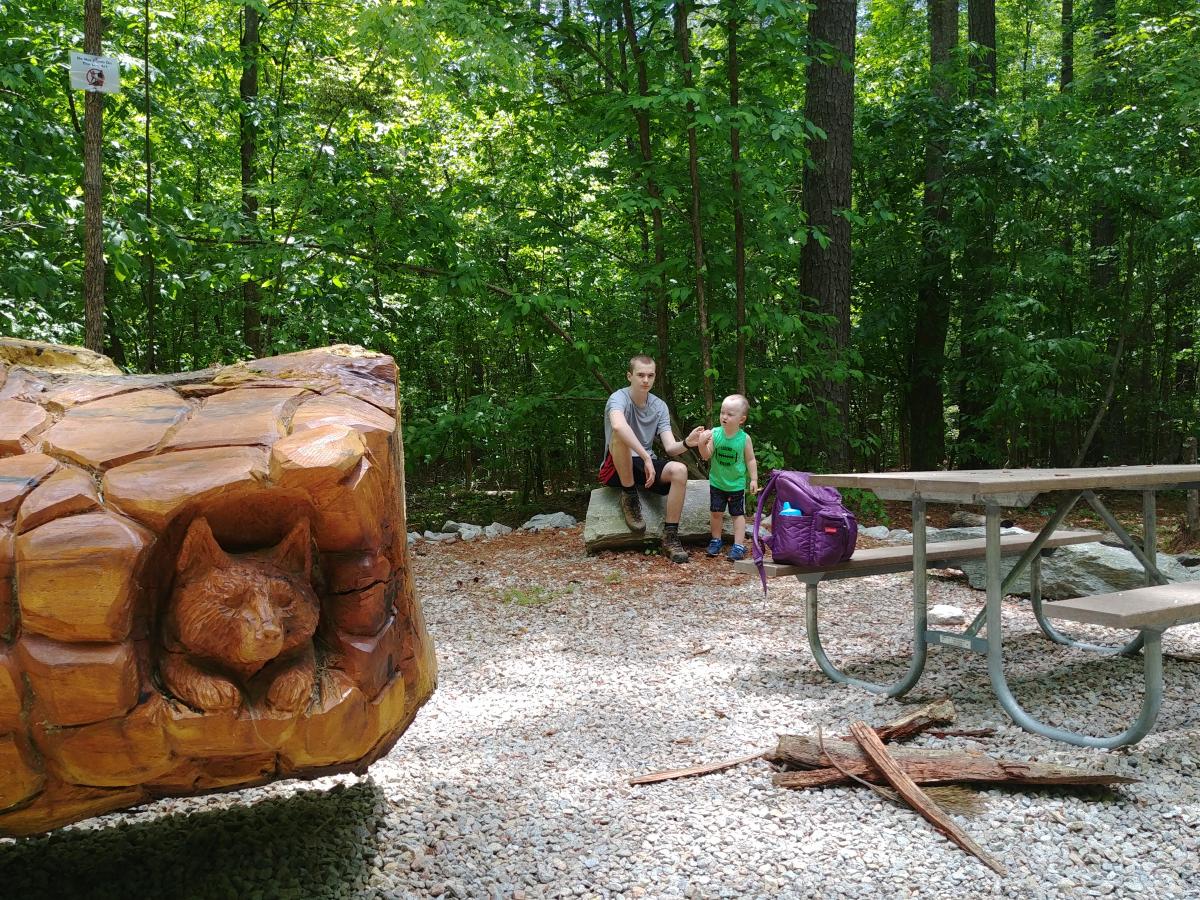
1150,610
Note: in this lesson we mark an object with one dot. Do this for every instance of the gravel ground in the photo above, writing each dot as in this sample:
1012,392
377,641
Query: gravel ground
562,676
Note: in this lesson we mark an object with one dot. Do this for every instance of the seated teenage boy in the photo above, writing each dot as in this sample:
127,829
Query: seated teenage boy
633,417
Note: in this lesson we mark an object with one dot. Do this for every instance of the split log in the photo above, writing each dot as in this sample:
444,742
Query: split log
939,712
909,725
924,766
873,749
204,581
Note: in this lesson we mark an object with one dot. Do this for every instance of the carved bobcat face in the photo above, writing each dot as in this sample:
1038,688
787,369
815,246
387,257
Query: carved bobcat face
243,610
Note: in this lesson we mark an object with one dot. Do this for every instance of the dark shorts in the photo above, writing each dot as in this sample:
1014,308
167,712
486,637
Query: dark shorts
718,499
609,476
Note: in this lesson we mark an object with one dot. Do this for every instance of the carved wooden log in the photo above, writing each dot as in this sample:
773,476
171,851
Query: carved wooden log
204,581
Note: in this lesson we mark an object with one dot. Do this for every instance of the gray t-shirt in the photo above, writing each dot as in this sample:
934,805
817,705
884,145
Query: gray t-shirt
647,422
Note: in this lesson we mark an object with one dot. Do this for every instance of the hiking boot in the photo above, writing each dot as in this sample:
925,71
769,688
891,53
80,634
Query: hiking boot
714,547
736,552
673,548
631,508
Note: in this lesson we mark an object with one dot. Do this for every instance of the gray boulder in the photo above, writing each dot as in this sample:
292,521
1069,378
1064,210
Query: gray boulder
496,530
878,532
1079,570
450,527
468,532
547,521
605,528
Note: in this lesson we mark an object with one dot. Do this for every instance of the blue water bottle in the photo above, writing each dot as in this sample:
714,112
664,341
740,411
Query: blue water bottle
789,511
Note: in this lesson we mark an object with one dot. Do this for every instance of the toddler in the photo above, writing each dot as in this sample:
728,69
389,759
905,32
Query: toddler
732,470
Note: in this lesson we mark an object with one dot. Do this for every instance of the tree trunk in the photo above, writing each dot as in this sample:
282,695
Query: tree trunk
1067,71
248,125
927,409
1104,219
642,118
825,266
683,36
93,190
978,376
739,223
149,288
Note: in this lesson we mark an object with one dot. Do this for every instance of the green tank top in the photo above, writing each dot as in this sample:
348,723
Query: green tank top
727,468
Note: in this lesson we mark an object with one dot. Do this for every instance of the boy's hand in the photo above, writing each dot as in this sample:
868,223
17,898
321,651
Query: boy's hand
649,465
698,434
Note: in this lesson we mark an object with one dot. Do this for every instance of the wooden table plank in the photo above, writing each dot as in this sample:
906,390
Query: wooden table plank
938,554
1158,606
1016,487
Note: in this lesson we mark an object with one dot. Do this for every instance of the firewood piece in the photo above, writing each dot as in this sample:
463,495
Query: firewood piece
922,765
937,712
869,741
963,732
706,769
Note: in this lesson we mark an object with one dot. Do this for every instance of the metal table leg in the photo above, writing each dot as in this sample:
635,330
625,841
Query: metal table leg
920,621
1151,700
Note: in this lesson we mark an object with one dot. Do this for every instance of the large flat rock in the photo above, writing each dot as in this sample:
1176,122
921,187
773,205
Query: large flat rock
1079,570
605,528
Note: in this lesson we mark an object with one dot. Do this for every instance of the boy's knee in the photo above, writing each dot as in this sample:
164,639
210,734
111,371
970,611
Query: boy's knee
675,471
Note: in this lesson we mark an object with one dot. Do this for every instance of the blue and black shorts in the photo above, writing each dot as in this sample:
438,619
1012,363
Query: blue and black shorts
719,499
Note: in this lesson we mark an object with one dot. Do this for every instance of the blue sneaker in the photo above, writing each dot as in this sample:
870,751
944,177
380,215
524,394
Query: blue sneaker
736,552
714,547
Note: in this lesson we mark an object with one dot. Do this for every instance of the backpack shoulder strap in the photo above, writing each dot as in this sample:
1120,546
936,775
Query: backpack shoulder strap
758,550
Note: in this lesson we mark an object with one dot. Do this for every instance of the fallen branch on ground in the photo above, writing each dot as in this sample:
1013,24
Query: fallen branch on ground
707,769
939,712
922,765
873,748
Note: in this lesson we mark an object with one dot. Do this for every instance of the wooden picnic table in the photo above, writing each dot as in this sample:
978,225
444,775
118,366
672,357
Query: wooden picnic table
1150,610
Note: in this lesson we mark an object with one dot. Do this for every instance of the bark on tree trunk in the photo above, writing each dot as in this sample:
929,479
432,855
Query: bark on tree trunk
1104,220
1067,70
683,36
149,289
248,125
739,224
927,411
978,377
825,268
93,190
642,119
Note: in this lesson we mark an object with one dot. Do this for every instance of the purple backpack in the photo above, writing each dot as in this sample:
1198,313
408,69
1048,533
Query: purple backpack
809,525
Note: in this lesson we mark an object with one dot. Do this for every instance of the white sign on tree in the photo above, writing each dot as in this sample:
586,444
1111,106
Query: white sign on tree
101,74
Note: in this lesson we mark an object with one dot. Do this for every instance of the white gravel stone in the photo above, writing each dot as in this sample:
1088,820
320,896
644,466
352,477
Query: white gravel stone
513,780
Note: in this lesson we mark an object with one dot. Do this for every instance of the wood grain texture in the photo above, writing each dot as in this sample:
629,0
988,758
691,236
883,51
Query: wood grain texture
213,581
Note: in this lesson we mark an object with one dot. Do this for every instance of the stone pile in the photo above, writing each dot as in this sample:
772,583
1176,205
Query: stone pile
464,531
